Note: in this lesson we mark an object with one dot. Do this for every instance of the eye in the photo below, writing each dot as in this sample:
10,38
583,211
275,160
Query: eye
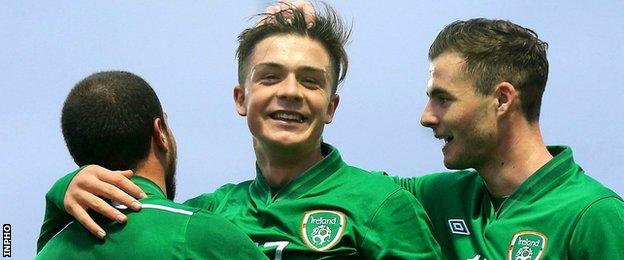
311,82
269,78
444,100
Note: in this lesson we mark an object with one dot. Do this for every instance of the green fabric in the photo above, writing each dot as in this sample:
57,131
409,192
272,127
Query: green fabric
173,232
579,217
55,217
382,220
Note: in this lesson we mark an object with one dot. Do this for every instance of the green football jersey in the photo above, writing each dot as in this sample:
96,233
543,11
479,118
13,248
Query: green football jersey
333,210
161,230
557,213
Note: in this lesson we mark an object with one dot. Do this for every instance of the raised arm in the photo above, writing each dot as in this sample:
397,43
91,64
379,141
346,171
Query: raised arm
71,196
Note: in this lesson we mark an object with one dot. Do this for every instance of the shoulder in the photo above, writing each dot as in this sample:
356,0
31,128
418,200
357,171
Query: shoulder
437,183
164,206
360,179
591,187
586,191
374,188
206,200
210,236
609,210
207,223
462,177
234,186
597,201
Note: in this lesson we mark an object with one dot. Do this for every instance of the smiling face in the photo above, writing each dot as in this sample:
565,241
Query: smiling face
287,94
457,114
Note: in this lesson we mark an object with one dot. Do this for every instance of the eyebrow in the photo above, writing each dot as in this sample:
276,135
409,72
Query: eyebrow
279,66
266,64
437,91
312,69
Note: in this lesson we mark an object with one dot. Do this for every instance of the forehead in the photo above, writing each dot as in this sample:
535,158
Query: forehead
290,51
446,71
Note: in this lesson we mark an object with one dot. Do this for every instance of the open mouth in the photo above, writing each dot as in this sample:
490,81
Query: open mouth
288,116
447,139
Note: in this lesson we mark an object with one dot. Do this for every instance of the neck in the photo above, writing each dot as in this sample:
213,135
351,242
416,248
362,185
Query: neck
153,170
519,154
280,166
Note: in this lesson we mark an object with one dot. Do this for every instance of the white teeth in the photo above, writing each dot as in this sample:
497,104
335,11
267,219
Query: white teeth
288,116
445,139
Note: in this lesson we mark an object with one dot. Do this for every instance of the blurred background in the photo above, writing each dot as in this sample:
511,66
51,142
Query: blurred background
185,50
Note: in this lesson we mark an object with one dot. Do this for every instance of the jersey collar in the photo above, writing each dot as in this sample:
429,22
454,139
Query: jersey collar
546,178
150,188
306,181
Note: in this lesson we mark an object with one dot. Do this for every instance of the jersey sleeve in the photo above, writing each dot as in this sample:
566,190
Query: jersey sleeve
212,237
55,218
401,229
600,231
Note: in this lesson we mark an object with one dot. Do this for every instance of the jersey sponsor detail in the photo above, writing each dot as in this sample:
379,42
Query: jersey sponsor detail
527,245
458,226
322,229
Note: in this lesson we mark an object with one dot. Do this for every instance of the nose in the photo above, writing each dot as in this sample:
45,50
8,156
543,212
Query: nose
428,118
290,89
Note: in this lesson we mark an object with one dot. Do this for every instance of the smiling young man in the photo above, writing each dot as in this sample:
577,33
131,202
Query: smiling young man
525,200
305,201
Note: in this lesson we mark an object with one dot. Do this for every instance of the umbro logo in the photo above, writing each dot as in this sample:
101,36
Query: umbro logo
458,226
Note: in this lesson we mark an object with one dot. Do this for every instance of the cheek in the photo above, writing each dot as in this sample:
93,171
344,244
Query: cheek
256,102
318,102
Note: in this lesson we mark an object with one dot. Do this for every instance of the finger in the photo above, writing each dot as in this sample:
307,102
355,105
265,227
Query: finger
114,193
308,11
100,206
127,173
268,15
284,6
86,221
124,184
272,9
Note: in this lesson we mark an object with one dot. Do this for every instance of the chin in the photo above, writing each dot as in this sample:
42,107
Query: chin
287,139
454,164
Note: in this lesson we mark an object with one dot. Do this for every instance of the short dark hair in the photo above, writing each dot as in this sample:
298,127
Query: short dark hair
327,28
497,51
107,120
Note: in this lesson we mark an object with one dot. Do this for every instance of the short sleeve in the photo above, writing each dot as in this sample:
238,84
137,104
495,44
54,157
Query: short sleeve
599,233
400,228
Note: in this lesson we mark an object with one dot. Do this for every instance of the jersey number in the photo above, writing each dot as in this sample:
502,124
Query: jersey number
280,248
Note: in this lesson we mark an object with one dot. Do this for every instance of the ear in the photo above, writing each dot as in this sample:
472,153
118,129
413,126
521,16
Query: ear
159,135
239,100
506,97
331,108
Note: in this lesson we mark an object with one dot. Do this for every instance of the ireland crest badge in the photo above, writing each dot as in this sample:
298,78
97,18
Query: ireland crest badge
527,245
322,229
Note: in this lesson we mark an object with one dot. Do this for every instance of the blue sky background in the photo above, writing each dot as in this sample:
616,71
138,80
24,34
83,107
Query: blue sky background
185,50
